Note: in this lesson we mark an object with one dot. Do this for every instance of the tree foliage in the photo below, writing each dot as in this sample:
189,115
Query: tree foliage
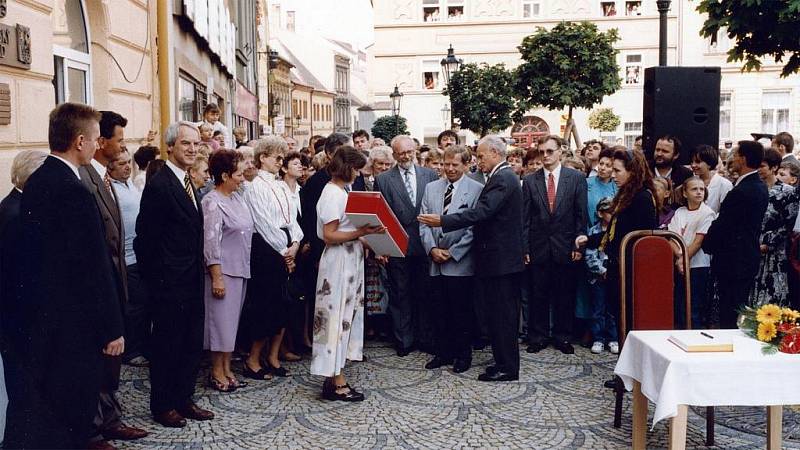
759,28
384,127
482,97
603,119
572,65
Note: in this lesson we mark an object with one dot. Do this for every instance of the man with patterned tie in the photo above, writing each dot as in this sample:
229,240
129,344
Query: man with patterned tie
403,187
452,267
169,251
108,419
554,215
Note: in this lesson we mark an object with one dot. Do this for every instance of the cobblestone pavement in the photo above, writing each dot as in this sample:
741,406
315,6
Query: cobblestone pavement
558,403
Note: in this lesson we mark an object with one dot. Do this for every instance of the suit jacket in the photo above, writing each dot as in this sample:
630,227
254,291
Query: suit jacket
477,176
497,225
107,204
393,189
733,238
458,242
11,252
359,185
550,237
169,241
309,196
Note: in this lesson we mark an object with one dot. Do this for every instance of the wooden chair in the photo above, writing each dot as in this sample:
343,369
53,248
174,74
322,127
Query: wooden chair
647,276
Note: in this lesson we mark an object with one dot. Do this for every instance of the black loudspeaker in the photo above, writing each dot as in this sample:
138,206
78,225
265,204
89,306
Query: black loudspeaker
683,102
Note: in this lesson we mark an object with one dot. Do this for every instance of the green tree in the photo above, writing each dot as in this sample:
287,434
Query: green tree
603,119
570,66
384,127
759,28
482,97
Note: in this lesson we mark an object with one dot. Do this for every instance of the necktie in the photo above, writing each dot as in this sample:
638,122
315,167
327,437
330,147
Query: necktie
551,191
448,196
187,186
107,182
409,188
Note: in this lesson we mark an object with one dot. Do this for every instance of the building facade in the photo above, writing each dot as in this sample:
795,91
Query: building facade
412,36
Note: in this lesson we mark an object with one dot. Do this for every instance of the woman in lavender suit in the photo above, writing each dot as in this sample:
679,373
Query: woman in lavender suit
228,231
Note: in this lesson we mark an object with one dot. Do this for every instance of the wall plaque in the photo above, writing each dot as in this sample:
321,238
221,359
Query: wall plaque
5,104
15,46
3,8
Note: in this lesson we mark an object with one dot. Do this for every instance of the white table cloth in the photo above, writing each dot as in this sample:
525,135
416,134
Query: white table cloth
670,377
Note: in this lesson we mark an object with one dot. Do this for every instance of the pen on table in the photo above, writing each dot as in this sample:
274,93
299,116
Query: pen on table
707,335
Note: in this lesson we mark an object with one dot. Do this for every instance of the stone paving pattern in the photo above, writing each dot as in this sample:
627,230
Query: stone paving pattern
558,403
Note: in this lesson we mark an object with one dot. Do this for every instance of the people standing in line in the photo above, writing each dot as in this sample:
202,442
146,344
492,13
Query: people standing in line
498,244
603,325
771,283
227,236
704,161
169,251
452,266
555,213
601,185
276,244
733,237
339,302
138,315
69,306
783,143
211,116
665,158
403,187
691,221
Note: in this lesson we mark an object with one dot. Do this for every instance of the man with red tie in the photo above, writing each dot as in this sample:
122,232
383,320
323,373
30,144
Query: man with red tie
554,214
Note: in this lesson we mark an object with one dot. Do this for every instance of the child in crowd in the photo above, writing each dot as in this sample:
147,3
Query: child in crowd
207,136
604,328
691,221
211,114
664,192
789,173
219,136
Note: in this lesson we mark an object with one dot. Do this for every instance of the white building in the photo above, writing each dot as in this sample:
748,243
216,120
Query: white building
412,36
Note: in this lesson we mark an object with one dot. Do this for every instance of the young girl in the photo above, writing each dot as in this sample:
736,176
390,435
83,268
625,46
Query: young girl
664,192
207,137
691,221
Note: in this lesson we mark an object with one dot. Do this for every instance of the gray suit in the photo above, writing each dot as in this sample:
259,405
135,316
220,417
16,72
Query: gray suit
408,277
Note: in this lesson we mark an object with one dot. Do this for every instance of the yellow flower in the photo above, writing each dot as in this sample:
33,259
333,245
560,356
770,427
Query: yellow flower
790,314
767,331
769,313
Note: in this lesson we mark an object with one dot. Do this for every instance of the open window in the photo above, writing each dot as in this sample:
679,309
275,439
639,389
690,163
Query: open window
72,59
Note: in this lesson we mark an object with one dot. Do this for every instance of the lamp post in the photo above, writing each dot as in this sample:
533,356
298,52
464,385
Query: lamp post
663,9
450,65
446,114
396,96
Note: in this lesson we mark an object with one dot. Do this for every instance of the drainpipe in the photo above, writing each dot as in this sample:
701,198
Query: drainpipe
164,17
311,116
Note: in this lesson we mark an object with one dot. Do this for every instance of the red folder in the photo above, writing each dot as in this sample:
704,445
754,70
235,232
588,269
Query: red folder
369,208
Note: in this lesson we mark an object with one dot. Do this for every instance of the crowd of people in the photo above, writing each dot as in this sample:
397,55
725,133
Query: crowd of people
243,249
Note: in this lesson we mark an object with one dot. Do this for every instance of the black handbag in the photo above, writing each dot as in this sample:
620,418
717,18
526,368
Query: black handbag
294,289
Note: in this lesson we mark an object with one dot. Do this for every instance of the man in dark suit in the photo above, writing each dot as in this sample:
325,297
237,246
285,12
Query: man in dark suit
497,247
554,215
108,420
733,238
69,312
403,187
169,250
783,142
666,159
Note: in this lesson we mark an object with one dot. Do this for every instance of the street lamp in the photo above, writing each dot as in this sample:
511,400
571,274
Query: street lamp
450,65
663,9
396,96
446,114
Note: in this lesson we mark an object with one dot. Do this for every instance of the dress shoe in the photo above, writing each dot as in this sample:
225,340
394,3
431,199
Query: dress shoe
499,376
194,412
461,365
101,445
536,347
613,383
404,351
565,347
492,370
437,362
124,433
170,419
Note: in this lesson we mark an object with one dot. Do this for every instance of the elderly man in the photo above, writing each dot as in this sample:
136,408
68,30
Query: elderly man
497,227
403,187
169,251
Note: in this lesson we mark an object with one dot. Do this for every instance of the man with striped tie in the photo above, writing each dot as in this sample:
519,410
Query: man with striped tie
169,251
452,267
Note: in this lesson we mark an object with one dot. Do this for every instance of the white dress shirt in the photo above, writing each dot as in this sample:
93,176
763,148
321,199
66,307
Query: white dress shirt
73,167
556,176
272,211
101,169
294,197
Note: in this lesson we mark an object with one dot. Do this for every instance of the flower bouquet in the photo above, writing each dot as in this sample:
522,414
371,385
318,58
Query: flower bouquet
777,327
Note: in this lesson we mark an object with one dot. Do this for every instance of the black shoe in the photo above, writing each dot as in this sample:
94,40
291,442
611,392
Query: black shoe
536,347
612,383
277,371
499,376
492,370
404,351
461,365
437,362
351,395
565,347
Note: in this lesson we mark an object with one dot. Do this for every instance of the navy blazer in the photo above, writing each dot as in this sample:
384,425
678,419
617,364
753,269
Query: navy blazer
733,238
11,252
550,237
497,225
393,188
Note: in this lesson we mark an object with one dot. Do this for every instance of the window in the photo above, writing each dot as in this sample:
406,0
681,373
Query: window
191,98
725,115
440,10
609,9
775,111
723,44
430,75
72,60
633,8
633,69
290,21
632,131
531,8
305,109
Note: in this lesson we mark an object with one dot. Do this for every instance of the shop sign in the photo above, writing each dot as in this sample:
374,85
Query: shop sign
279,123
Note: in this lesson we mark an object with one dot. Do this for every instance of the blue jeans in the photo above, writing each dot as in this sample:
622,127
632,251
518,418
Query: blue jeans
604,327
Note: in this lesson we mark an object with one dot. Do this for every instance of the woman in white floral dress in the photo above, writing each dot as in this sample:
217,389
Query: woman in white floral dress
339,307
